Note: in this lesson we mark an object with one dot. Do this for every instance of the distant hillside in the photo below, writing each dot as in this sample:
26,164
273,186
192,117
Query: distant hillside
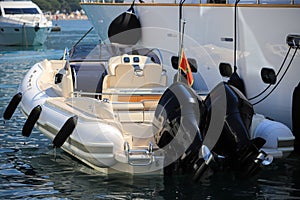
65,6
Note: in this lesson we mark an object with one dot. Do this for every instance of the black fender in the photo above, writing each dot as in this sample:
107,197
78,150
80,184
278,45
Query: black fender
13,104
31,120
65,131
125,28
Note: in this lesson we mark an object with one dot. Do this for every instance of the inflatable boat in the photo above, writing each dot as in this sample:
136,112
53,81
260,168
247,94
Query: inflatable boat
125,114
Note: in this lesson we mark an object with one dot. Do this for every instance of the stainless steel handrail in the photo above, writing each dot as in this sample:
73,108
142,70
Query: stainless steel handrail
139,157
125,93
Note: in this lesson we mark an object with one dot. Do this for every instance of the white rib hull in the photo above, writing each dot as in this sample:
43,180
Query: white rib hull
95,141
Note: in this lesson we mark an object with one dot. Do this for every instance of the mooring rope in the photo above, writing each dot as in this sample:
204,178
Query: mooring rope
24,35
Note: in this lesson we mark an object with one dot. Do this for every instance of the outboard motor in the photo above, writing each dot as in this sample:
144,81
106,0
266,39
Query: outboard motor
176,123
183,125
234,142
296,116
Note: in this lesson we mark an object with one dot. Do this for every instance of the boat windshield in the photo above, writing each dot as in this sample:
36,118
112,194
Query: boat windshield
16,11
89,62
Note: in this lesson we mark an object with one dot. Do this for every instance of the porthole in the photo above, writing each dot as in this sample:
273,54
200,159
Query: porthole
268,76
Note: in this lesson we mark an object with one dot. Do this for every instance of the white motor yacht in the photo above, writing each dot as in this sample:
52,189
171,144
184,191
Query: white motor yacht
251,35
22,23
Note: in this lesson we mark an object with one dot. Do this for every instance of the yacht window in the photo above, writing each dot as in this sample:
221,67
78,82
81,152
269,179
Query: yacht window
13,11
261,1
216,1
275,1
243,1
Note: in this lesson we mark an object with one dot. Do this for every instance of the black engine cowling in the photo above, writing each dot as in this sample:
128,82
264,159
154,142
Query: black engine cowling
183,123
176,122
237,119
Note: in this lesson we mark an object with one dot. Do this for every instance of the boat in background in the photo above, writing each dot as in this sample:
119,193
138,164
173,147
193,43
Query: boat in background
255,37
22,23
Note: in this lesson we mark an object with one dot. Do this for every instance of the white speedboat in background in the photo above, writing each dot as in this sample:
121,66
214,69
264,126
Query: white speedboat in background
22,23
251,36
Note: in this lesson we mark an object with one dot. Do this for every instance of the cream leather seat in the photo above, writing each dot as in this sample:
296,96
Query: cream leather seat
153,76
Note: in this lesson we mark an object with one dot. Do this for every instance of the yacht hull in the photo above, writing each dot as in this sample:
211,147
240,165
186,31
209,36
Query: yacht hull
261,32
23,36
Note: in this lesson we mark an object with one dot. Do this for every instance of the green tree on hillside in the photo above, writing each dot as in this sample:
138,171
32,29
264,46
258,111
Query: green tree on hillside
62,5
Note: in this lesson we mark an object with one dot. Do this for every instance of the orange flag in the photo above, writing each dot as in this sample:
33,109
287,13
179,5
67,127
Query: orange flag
185,67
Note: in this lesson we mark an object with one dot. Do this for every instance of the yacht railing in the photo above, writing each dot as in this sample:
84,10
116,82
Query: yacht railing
283,2
26,20
129,92
120,93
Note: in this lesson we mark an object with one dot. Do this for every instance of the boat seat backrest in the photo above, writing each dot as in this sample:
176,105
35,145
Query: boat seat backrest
89,76
125,77
124,71
153,76
112,64
125,59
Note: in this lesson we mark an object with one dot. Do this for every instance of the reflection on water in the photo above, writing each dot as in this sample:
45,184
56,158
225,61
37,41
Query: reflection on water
30,168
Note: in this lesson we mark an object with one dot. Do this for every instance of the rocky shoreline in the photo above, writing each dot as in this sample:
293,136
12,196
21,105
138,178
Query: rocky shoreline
72,16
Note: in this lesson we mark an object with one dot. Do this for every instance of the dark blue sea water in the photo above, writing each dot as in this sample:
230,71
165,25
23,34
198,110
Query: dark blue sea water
30,169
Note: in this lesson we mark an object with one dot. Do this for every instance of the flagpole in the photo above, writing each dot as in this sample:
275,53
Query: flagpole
180,38
182,24
180,19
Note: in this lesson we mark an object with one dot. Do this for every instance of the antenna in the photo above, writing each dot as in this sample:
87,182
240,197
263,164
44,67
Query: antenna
180,19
